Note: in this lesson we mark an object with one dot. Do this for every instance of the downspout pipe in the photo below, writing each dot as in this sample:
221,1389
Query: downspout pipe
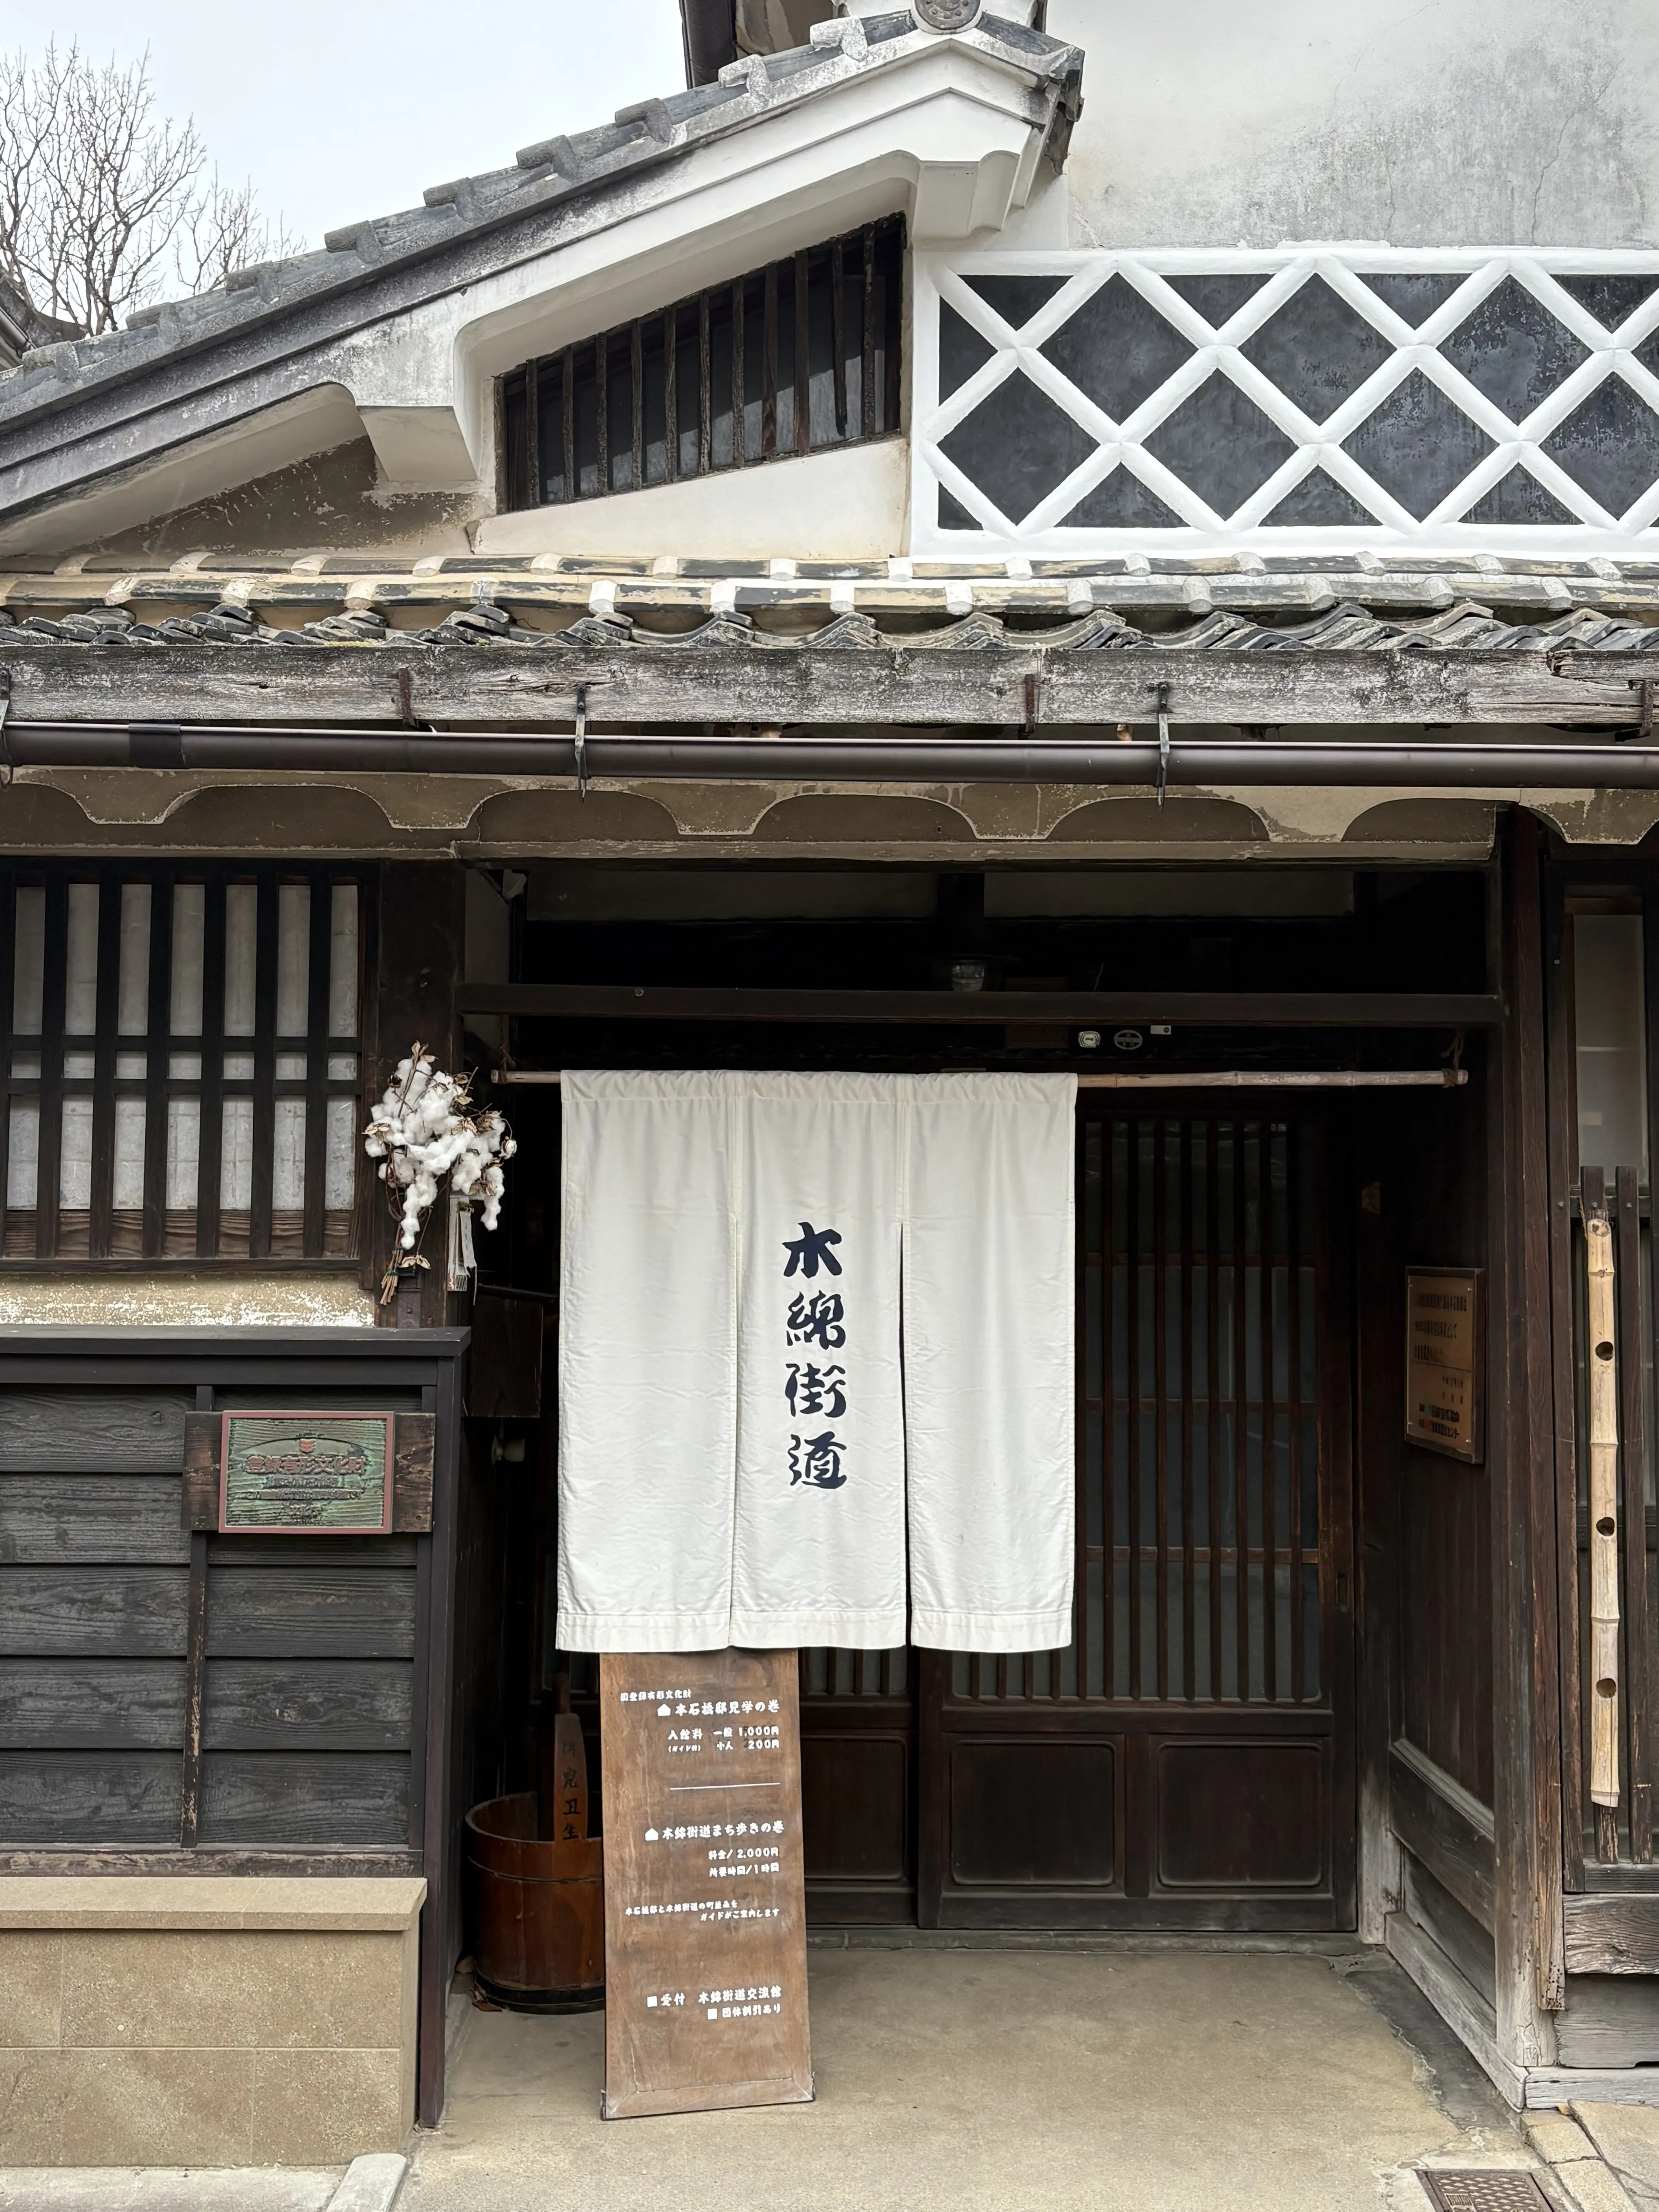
1450,765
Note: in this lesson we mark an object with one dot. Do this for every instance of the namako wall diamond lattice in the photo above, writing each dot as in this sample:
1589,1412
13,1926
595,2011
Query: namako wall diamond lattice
1191,401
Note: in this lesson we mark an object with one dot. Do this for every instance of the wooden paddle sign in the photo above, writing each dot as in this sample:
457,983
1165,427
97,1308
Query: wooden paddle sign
705,1909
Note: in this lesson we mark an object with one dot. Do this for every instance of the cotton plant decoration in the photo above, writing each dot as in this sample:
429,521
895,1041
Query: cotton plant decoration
425,1133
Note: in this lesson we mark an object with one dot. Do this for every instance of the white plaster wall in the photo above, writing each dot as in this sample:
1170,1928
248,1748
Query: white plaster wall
1409,122
165,1300
850,506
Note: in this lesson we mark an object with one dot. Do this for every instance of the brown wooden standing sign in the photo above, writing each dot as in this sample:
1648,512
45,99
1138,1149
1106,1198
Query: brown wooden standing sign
705,1912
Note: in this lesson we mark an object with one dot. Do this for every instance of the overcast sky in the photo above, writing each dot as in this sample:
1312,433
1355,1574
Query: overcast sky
337,111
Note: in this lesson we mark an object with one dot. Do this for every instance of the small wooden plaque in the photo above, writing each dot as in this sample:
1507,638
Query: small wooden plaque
1446,1361
305,1475
705,1909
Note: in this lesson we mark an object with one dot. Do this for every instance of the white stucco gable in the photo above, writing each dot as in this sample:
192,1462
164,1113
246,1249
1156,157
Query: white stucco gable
880,115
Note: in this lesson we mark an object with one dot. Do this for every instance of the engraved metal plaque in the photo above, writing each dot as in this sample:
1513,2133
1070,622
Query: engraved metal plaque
297,1474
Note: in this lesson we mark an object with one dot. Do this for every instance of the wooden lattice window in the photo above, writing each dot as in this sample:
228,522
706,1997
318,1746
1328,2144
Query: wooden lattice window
795,358
181,1059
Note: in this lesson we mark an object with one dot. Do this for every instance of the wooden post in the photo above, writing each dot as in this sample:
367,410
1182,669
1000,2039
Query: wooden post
421,939
1599,1280
1531,1978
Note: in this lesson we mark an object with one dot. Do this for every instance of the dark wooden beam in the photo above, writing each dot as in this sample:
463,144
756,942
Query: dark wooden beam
1527,1713
1012,1009
774,686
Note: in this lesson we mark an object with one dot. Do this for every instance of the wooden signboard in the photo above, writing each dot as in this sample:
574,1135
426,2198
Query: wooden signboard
1446,1361
290,1474
705,1911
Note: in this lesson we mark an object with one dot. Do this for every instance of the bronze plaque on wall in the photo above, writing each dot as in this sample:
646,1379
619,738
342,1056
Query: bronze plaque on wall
705,1910
297,1474
1446,1360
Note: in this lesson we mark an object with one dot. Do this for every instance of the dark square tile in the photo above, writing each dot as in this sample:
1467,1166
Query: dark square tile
962,351
1609,445
1317,350
1418,445
1513,350
1413,298
1611,300
1016,298
1017,446
1122,501
1217,299
1116,348
1220,443
1519,497
1320,499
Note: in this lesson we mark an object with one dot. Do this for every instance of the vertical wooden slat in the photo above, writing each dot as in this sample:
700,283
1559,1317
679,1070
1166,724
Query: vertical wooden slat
636,410
190,1778
1161,1393
533,432
838,347
265,1066
1212,1384
1108,1682
1240,1409
106,1010
769,361
1561,1148
705,390
602,411
1088,1139
1132,1393
671,395
7,986
892,324
210,1155
567,420
316,1186
1633,1470
55,977
1184,1133
156,1021
740,377
1293,1135
803,360
867,368
1266,1228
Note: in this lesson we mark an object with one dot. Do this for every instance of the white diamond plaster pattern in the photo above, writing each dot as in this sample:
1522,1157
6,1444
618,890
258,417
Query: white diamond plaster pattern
1219,350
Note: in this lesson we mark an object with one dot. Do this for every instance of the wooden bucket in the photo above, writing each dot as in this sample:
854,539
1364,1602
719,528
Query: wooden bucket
538,1911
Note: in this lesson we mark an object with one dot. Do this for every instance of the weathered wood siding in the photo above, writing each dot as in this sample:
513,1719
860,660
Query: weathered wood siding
307,1667
94,1572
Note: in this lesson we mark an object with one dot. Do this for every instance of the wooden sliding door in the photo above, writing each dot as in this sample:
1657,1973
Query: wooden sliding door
1186,1762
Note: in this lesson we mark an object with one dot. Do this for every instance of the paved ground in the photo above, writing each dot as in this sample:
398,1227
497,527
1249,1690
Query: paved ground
1022,2081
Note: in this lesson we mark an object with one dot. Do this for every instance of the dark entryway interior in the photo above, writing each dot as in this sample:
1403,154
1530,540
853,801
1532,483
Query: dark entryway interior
1194,1759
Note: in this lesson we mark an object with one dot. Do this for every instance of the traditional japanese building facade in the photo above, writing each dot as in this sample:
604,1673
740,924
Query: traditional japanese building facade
971,537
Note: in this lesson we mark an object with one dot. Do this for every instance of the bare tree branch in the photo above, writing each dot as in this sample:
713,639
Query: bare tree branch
101,200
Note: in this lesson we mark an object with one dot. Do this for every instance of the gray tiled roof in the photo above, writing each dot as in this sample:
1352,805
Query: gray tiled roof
556,173
1339,602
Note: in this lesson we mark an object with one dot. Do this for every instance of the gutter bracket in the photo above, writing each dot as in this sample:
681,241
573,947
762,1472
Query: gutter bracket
1163,690
581,742
1643,686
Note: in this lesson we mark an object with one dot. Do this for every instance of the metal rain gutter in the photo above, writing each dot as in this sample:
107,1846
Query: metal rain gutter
1451,765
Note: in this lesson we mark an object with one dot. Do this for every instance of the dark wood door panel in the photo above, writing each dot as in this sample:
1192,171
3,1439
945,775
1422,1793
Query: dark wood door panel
855,1806
1036,1814
1241,1816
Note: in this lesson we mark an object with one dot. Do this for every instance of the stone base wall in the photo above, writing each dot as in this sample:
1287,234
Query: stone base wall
205,2019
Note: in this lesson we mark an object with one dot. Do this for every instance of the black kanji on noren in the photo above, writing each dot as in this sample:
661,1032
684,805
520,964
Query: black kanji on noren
811,1248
